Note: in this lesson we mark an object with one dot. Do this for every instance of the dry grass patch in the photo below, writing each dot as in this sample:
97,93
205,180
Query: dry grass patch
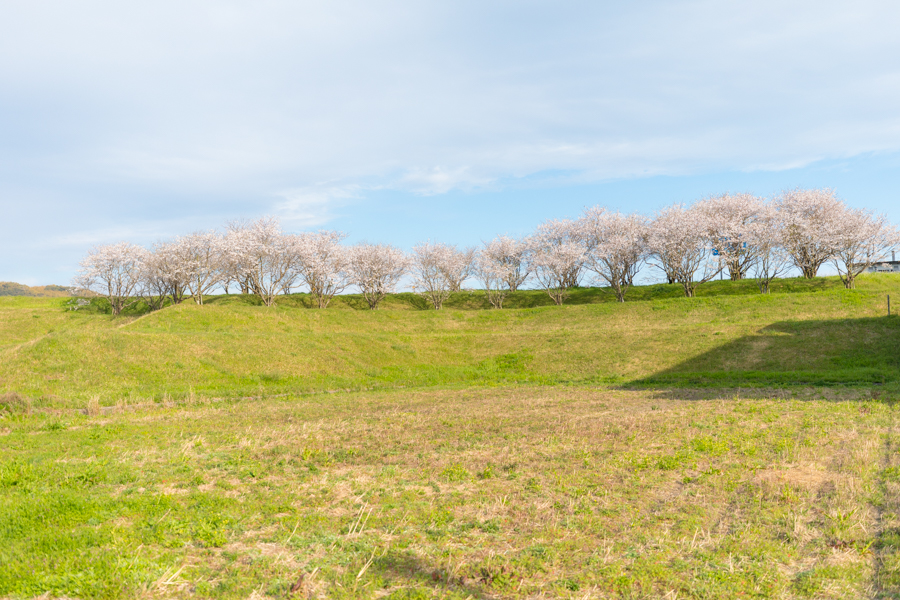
15,403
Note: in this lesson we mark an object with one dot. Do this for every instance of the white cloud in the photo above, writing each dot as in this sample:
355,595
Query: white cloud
440,180
313,206
281,95
142,234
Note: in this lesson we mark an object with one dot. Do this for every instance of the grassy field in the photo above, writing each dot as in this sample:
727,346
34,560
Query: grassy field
730,445
517,492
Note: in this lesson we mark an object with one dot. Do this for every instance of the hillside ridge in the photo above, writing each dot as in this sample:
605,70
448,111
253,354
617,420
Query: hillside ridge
11,288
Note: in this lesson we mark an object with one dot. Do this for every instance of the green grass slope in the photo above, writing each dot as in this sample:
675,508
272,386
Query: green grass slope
807,333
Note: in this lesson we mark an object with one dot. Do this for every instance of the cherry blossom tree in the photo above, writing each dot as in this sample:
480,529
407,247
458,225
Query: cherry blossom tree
515,256
322,264
232,269
154,284
236,266
502,266
738,232
727,219
201,256
458,266
376,269
765,234
553,267
557,257
811,226
491,276
261,256
114,271
170,261
164,274
435,269
679,246
616,246
863,240
560,233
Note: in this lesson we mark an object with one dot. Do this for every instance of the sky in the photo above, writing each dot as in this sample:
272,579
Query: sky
402,121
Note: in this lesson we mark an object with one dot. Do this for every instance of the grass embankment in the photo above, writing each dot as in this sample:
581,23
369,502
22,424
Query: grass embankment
491,493
807,332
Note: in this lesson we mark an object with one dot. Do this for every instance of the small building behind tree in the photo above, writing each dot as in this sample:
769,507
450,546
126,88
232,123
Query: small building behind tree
887,266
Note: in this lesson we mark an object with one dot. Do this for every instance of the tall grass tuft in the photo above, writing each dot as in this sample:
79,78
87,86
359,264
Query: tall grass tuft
93,406
15,403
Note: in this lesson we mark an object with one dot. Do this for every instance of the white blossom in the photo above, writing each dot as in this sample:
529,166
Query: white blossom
680,247
616,246
164,274
812,225
260,256
557,256
457,266
863,240
114,271
502,266
376,269
202,262
436,269
322,264
744,234
727,220
766,236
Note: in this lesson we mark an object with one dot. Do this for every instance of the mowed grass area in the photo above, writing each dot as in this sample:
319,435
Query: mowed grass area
515,492
807,332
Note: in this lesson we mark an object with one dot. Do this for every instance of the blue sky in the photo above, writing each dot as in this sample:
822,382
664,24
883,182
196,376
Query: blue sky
402,121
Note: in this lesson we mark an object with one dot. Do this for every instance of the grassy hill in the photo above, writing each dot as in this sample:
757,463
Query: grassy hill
805,333
8,288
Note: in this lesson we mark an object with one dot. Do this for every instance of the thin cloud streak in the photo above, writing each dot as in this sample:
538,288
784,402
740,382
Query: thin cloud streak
145,233
314,206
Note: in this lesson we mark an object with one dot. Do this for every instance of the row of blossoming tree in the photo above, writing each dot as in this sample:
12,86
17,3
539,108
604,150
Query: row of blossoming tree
738,234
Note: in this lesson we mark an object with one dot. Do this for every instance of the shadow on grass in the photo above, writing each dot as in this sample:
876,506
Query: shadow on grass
854,352
413,573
